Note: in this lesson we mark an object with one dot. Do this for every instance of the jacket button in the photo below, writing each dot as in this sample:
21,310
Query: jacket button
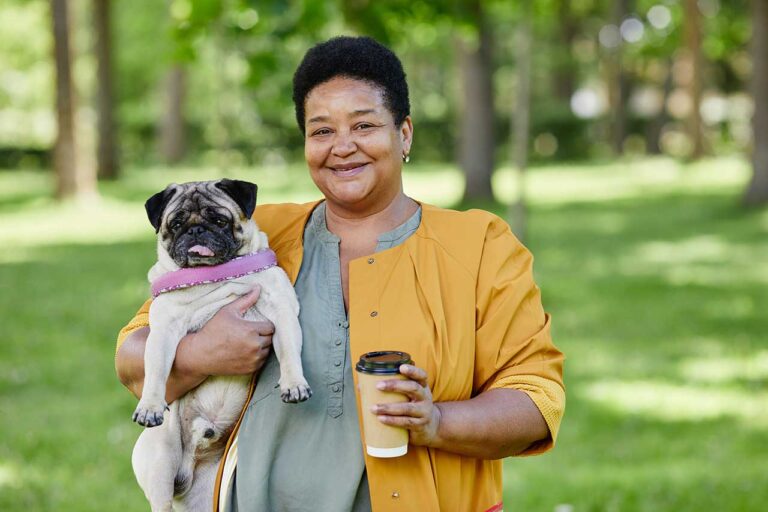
395,494
371,260
336,388
374,313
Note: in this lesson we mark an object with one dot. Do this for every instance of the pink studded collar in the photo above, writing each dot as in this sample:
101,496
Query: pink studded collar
194,276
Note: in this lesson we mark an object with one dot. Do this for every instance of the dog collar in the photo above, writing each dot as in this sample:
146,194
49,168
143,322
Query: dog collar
238,267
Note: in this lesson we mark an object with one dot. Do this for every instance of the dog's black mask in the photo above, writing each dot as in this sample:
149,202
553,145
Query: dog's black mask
198,222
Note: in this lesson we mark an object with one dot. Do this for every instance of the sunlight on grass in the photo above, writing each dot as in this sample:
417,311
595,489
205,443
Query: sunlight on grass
16,476
16,183
725,369
105,221
439,185
674,402
9,475
711,276
703,248
557,184
704,259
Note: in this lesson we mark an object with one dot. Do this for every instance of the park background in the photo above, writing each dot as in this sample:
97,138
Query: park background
625,141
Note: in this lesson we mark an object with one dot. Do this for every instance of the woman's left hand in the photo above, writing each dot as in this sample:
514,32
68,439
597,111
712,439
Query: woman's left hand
419,415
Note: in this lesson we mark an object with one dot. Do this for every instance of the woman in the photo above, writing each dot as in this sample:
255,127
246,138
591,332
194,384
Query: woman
376,270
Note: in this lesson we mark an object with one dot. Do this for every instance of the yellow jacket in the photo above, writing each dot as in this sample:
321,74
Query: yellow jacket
459,296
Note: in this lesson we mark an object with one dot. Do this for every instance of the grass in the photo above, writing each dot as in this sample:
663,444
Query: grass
655,278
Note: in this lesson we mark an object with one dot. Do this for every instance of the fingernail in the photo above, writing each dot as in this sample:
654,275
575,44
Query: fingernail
374,409
381,385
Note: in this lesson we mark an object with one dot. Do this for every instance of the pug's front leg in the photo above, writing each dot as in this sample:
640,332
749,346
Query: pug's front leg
278,304
159,353
287,344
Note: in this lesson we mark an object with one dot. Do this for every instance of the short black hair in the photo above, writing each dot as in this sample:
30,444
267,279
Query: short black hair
361,58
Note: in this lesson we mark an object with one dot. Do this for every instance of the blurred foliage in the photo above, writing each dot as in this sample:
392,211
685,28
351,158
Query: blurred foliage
240,56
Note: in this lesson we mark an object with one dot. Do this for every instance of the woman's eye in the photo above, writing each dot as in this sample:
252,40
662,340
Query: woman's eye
363,126
322,131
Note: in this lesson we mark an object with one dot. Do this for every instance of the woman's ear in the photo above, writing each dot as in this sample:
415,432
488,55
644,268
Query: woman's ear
406,134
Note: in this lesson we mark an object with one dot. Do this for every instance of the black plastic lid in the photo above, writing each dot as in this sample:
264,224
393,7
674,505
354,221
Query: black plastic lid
383,363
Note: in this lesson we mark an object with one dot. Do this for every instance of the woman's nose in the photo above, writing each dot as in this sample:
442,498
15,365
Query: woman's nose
344,145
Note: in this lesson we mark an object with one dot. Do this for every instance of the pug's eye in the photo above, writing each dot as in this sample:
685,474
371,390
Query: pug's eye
221,222
175,224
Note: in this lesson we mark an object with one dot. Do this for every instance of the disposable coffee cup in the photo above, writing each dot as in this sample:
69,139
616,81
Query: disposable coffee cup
381,440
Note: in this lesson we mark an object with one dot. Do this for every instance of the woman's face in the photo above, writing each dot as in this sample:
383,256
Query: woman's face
353,149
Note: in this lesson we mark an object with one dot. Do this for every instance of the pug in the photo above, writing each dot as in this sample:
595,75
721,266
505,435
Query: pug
204,229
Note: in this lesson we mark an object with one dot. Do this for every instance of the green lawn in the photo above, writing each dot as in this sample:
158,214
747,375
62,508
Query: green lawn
656,279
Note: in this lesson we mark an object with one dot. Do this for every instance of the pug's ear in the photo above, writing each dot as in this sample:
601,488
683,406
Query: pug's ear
242,192
156,204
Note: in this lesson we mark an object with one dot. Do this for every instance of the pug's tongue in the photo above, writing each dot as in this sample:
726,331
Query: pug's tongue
200,250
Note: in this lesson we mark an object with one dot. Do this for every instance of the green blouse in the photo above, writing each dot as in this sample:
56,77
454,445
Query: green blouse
308,456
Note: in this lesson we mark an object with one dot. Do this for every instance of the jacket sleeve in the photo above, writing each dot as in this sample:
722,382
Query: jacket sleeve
513,344
139,320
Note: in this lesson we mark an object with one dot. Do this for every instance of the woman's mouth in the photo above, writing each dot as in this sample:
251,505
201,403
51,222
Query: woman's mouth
348,170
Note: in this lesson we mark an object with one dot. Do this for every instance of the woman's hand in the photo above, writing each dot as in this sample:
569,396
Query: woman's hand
420,415
228,344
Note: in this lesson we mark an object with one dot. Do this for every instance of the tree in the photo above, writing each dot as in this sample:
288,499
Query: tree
656,125
172,141
521,120
107,165
73,180
618,81
757,191
695,59
566,71
477,144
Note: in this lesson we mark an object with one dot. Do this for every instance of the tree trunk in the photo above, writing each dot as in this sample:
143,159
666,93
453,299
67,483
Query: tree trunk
757,191
656,125
477,133
521,120
172,140
618,83
695,56
107,165
566,71
72,181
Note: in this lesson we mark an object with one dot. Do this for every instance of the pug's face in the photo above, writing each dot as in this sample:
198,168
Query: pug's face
203,222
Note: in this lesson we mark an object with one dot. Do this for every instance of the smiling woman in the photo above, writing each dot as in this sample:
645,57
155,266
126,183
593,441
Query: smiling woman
374,270
354,149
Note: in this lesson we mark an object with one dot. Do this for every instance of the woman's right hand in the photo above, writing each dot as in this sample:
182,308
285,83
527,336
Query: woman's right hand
228,344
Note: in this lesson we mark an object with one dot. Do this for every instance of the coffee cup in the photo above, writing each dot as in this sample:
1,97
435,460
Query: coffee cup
381,440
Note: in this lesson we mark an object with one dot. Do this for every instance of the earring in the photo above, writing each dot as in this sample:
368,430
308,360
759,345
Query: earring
406,158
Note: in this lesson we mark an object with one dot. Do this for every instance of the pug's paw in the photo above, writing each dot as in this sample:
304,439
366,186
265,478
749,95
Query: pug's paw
149,414
295,392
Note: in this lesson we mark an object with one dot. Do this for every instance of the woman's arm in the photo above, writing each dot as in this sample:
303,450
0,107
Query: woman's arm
129,364
493,425
226,345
